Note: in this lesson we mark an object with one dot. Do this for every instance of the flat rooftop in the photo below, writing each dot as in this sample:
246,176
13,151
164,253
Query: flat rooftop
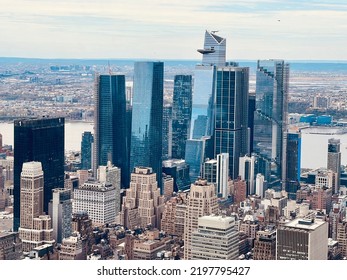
306,224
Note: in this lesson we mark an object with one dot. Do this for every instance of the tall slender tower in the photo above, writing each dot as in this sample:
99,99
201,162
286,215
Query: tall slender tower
111,136
334,162
202,120
270,118
86,150
35,228
201,201
39,140
147,116
181,114
231,115
293,159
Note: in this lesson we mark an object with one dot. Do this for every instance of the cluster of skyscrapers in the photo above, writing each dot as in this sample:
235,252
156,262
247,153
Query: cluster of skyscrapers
183,169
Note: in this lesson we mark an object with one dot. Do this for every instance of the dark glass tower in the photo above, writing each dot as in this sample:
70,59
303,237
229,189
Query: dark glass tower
39,140
167,131
293,154
86,150
111,137
181,114
231,115
334,162
147,117
270,117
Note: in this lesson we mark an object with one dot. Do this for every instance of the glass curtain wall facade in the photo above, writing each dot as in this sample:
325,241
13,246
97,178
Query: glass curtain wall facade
181,114
270,117
111,136
39,140
231,115
147,117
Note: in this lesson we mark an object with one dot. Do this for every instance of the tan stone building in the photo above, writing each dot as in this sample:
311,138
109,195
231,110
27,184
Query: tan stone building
201,201
143,204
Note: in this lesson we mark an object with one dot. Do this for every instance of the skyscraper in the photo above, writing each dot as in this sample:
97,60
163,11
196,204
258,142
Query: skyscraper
35,228
231,115
214,49
39,140
247,172
334,162
293,160
216,238
142,205
86,150
111,174
201,201
60,211
181,114
302,239
147,116
167,132
111,135
270,118
98,200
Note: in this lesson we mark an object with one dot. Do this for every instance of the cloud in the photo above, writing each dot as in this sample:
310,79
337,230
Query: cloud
170,29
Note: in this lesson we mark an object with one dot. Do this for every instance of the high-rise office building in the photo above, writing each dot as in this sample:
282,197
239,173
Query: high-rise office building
251,109
167,131
216,171
147,116
35,228
86,150
201,201
293,161
60,210
260,185
231,115
223,175
270,118
98,200
111,174
214,49
196,150
199,127
178,169
334,162
214,54
39,140
302,239
111,127
247,172
216,238
142,205
181,114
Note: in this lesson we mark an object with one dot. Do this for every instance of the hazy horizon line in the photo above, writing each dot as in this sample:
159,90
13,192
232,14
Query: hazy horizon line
170,59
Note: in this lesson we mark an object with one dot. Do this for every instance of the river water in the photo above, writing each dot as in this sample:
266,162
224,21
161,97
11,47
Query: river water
313,146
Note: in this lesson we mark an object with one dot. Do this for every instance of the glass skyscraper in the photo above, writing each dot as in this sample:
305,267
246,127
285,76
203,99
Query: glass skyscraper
181,114
39,140
293,159
270,118
231,115
202,120
167,131
111,136
86,150
147,117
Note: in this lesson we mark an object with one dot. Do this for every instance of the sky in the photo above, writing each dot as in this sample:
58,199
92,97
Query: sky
173,29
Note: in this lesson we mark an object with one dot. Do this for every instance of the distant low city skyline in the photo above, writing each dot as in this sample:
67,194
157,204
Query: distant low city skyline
160,29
